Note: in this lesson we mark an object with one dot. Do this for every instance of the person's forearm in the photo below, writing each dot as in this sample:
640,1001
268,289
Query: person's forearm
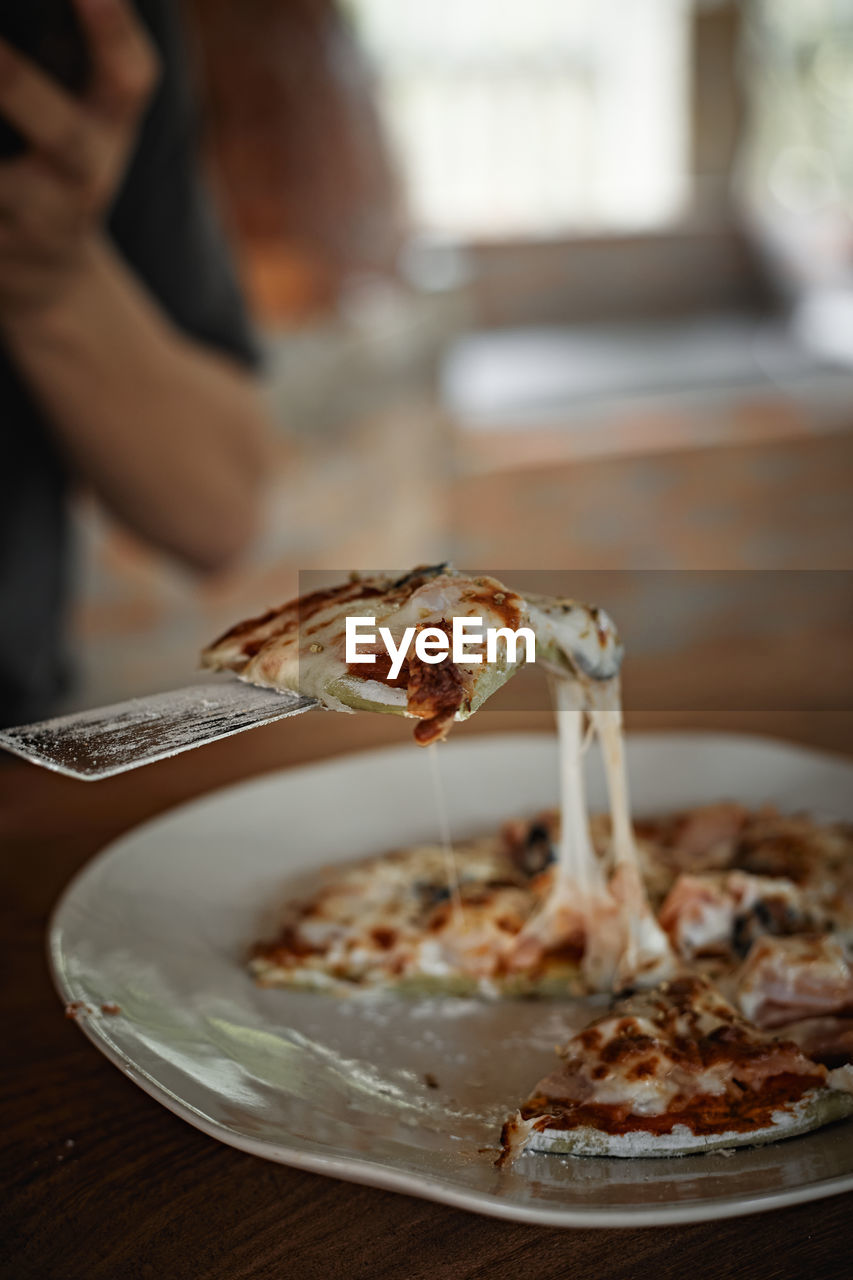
170,436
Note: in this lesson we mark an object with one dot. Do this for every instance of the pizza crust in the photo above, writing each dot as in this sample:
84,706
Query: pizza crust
815,1109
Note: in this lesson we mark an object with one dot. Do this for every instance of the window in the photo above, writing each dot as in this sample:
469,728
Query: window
534,117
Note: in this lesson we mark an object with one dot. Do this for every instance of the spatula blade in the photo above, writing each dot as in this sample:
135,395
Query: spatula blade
110,740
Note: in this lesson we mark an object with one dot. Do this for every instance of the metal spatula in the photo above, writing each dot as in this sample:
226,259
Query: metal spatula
109,740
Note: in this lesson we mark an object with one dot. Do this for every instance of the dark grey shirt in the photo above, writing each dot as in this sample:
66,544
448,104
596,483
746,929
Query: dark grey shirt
164,225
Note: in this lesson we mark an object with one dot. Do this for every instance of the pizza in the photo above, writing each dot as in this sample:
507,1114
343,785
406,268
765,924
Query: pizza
300,645
752,1040
748,1040
409,920
476,921
722,936
672,1071
491,920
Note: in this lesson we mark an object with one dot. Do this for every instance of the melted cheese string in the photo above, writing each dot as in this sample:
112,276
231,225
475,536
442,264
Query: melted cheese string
624,944
578,900
444,833
577,865
647,954
607,722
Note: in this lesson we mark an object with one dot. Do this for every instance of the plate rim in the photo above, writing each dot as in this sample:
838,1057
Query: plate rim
364,1172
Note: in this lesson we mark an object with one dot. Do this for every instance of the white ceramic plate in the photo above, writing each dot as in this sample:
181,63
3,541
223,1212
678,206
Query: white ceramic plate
159,924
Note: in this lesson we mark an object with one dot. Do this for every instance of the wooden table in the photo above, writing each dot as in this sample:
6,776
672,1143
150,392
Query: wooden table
101,1183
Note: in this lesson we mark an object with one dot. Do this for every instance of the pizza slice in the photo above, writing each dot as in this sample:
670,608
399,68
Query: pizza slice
671,1071
302,645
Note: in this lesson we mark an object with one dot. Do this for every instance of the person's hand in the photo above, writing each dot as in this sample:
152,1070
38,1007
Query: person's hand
53,199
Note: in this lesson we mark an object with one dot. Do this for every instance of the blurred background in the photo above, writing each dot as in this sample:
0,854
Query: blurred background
541,285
